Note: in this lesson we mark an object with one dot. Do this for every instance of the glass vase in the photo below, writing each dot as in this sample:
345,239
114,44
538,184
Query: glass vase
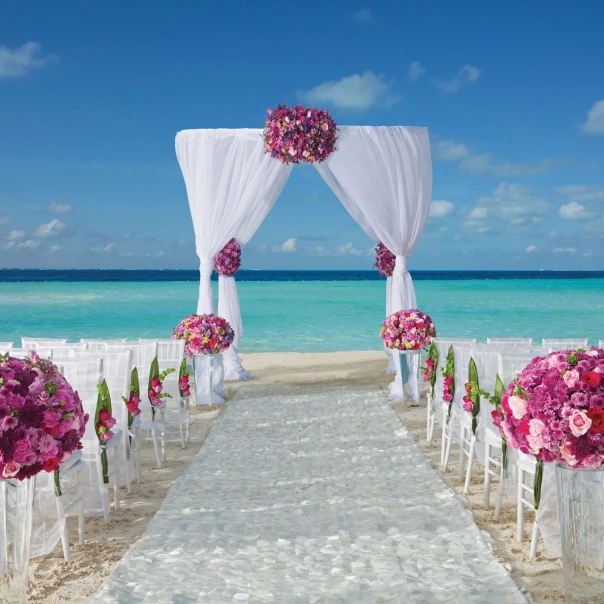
203,367
16,512
410,361
580,511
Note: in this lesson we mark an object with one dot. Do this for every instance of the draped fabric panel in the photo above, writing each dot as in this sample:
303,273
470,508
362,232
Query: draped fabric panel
231,182
383,177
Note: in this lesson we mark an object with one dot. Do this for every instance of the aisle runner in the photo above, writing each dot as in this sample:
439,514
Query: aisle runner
315,496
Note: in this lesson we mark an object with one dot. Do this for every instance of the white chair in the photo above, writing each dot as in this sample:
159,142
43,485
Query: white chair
511,341
509,365
565,344
5,347
526,465
71,496
33,343
493,441
100,345
601,344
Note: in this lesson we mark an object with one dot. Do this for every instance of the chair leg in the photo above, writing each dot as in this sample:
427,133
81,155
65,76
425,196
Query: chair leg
183,444
520,508
63,530
431,428
163,447
534,538
188,428
80,508
428,418
158,457
487,476
443,446
127,452
499,501
104,498
116,494
462,452
466,487
448,449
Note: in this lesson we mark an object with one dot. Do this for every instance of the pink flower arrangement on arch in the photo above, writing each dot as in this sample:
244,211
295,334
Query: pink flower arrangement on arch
554,409
299,134
384,260
228,260
204,334
408,330
42,420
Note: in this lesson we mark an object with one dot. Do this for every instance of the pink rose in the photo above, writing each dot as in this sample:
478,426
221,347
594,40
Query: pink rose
447,398
518,406
107,435
104,415
571,378
505,406
10,469
579,422
448,380
536,436
109,423
468,406
566,454
592,461
155,382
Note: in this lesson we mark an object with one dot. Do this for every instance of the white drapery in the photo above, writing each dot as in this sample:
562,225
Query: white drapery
230,181
383,177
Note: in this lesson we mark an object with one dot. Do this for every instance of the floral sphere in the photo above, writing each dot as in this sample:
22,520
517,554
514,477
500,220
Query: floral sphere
554,409
228,259
204,334
408,330
42,420
299,134
384,260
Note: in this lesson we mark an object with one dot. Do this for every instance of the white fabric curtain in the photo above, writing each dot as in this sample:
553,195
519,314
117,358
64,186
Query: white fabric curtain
383,177
391,368
230,181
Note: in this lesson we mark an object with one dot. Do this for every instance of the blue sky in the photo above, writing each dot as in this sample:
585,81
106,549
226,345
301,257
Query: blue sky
92,94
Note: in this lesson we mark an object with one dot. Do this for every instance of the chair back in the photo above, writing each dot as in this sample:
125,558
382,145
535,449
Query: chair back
5,347
555,344
510,365
511,341
33,343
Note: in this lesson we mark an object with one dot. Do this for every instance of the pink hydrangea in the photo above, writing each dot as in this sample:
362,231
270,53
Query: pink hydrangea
554,409
408,330
204,334
42,420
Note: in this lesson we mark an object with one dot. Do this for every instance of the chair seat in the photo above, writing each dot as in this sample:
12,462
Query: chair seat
70,461
492,438
115,440
526,462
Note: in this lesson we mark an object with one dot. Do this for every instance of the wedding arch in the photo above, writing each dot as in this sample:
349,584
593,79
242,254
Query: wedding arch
381,174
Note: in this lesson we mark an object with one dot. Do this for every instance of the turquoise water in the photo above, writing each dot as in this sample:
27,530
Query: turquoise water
306,316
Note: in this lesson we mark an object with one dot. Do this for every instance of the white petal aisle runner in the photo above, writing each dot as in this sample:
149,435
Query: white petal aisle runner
314,495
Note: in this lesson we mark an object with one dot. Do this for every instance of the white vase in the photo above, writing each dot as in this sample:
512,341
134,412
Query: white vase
203,368
580,511
410,361
16,512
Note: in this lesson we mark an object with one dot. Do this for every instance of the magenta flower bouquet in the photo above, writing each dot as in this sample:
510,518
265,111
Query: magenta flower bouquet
554,409
384,260
228,260
204,334
42,420
299,134
408,330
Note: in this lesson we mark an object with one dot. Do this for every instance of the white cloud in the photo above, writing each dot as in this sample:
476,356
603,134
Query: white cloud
103,250
466,75
486,163
15,235
288,246
440,209
60,208
4,220
565,250
594,124
15,62
54,248
54,228
348,250
448,150
365,15
29,244
416,70
588,254
156,254
355,92
575,211
531,249
582,192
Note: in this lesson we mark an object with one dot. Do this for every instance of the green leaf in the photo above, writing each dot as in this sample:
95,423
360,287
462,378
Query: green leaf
105,465
153,373
504,453
433,356
499,388
103,401
538,481
134,385
58,482
450,370
473,377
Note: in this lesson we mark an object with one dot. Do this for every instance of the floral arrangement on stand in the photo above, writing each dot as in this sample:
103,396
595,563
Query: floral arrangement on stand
133,400
184,376
448,373
103,422
471,399
430,368
384,260
554,410
228,259
299,134
408,330
204,334
156,386
42,420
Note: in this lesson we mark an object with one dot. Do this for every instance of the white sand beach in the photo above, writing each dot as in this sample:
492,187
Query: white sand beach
55,581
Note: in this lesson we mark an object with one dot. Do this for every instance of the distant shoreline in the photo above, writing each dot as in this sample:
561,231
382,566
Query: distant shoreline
147,275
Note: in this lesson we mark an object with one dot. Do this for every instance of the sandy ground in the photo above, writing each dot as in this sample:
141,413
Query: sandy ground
54,581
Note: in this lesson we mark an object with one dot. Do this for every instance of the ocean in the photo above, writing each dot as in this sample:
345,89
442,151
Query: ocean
301,310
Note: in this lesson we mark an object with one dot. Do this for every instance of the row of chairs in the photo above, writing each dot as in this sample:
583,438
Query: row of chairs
499,356
85,364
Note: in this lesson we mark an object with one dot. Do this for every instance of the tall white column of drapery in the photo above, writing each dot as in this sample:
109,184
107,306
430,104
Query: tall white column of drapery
383,177
230,182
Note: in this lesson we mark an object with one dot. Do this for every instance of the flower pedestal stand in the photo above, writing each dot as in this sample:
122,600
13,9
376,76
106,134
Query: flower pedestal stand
16,512
580,505
410,361
206,368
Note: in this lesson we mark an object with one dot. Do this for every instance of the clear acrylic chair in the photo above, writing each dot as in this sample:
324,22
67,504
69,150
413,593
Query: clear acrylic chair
33,343
99,345
493,468
5,347
565,343
510,364
511,341
601,344
526,465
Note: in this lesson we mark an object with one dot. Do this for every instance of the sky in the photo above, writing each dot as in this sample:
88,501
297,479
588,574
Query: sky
93,93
